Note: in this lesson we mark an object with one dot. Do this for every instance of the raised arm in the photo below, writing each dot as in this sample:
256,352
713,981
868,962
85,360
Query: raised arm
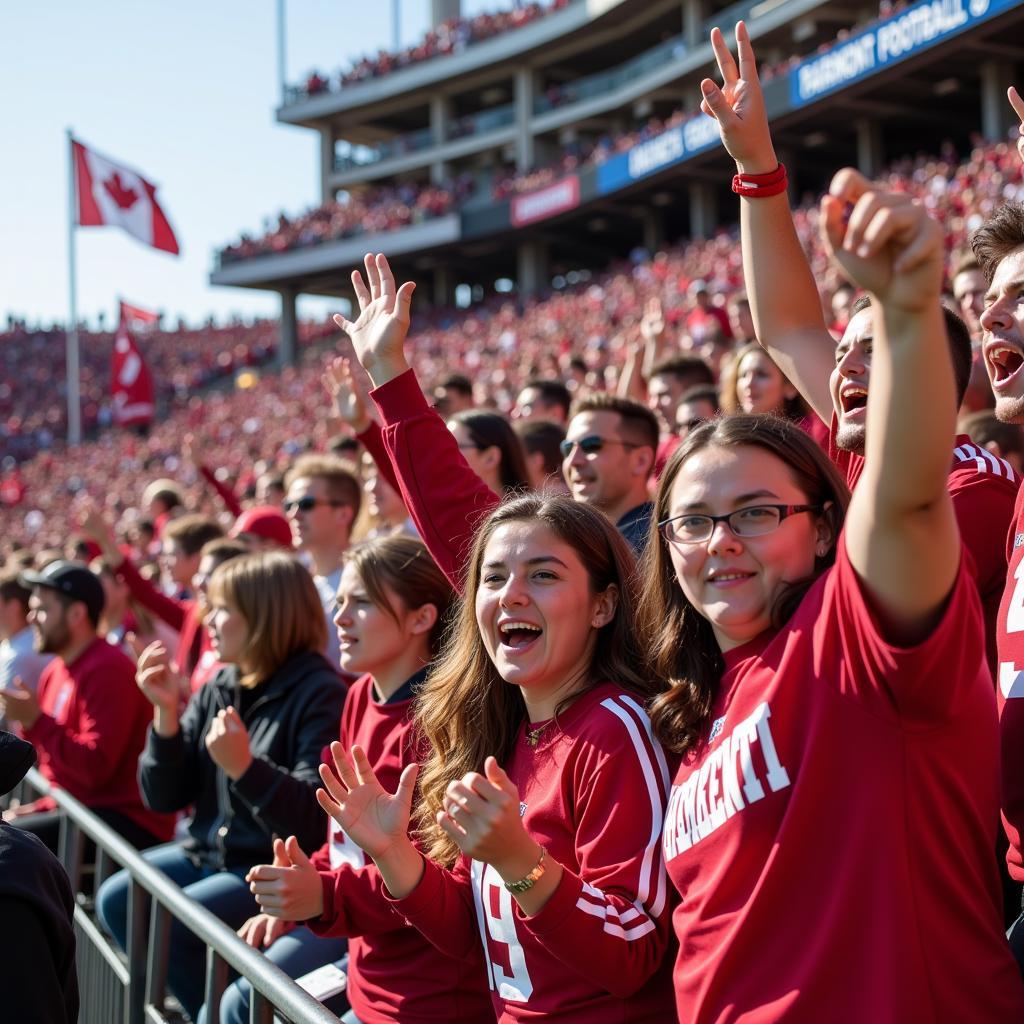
901,532
445,498
784,298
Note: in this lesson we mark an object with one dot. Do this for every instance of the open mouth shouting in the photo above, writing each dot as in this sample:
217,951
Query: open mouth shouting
518,635
1003,361
853,400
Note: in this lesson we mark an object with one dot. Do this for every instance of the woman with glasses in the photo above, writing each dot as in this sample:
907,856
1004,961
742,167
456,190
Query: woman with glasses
830,828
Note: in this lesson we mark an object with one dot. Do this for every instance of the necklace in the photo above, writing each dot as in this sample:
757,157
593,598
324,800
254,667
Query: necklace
534,734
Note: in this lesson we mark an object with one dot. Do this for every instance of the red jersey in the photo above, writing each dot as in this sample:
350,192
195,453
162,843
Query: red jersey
592,792
1010,688
984,489
832,834
92,730
394,972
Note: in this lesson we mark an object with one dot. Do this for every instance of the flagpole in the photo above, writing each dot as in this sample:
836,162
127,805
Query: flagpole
73,382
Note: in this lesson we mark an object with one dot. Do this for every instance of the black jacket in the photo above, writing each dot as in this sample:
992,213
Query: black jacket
290,717
37,940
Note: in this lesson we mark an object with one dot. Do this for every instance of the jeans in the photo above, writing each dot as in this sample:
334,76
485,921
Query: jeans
224,893
297,953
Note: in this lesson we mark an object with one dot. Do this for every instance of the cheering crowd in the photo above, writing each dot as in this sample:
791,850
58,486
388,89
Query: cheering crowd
692,698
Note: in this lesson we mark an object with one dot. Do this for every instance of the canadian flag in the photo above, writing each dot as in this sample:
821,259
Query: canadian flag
132,386
111,194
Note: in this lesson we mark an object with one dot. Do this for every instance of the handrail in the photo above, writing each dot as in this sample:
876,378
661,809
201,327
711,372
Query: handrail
265,977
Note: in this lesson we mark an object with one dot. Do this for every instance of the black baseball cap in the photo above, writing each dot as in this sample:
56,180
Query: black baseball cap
72,579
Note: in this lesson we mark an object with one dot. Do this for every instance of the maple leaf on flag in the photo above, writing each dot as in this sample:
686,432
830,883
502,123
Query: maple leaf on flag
125,198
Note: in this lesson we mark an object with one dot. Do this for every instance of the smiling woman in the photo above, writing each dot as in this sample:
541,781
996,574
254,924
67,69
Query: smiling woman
541,802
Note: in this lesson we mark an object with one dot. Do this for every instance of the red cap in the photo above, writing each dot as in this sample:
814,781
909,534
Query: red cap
264,521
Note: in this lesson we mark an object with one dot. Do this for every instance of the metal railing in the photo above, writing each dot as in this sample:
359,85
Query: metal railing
133,988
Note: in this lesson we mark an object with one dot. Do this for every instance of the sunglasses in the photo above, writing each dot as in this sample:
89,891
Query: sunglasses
589,445
307,503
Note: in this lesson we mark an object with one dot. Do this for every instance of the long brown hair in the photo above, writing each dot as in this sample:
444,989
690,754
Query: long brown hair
684,647
793,408
466,710
403,565
278,600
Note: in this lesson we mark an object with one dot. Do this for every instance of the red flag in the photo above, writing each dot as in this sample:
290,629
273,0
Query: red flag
132,387
130,315
112,194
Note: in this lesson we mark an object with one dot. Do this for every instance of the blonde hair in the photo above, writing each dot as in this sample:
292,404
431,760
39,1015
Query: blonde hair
279,602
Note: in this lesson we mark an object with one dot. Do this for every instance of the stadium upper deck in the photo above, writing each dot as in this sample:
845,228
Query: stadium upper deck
845,85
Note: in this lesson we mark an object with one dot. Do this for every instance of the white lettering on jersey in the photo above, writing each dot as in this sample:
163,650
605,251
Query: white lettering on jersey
1011,678
498,925
726,782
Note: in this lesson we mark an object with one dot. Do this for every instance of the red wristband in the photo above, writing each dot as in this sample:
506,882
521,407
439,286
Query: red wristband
759,186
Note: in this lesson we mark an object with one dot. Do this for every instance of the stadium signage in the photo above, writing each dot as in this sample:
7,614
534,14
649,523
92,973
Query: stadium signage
564,195
664,150
915,29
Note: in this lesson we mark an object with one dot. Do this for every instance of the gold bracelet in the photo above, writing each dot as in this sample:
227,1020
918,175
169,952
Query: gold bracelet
532,878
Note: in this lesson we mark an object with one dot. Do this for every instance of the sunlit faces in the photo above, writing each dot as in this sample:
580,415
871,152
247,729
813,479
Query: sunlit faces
760,385
607,477
532,405
315,527
370,638
734,582
969,287
229,632
1003,345
848,384
383,502
663,393
537,614
483,461
692,413
48,617
176,564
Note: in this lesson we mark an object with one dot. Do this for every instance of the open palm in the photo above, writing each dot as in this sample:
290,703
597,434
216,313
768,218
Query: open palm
378,333
372,818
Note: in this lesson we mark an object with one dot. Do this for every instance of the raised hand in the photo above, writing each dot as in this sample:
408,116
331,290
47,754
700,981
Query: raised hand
290,888
156,679
652,323
482,817
262,931
1017,102
348,403
738,105
372,818
227,741
885,242
378,334
93,524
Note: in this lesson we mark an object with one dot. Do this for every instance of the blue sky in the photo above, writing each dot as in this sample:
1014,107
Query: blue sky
184,93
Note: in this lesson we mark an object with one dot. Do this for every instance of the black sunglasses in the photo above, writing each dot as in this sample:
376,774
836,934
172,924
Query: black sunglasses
589,445
307,503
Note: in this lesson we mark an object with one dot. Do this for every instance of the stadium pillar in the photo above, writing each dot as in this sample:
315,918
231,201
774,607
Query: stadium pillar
443,10
442,286
440,114
654,230
693,22
287,345
996,114
703,210
532,270
524,112
327,141
870,152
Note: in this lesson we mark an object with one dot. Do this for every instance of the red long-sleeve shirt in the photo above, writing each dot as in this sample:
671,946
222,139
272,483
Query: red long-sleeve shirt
592,793
394,972
92,730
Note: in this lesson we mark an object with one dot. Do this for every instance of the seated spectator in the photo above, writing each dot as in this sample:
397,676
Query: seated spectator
37,971
88,723
19,658
244,753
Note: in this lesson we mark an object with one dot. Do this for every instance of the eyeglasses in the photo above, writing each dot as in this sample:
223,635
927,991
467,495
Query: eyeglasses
307,503
589,445
752,521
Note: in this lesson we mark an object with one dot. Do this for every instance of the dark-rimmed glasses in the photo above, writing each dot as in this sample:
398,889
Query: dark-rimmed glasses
751,521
